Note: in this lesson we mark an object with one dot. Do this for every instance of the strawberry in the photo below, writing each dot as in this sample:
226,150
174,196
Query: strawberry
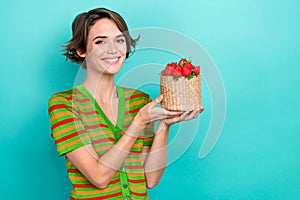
188,65
197,70
186,71
171,65
166,72
177,68
182,62
183,68
175,73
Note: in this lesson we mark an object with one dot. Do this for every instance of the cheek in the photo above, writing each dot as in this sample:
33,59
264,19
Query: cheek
96,52
89,47
121,48
122,59
92,48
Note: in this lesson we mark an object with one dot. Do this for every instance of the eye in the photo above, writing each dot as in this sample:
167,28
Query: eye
99,42
120,40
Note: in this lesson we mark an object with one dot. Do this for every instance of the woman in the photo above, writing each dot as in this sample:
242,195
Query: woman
106,131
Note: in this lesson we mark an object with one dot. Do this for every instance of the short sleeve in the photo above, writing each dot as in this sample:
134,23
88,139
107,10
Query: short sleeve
149,131
67,128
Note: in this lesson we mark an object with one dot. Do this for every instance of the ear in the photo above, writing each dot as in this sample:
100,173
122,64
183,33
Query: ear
80,54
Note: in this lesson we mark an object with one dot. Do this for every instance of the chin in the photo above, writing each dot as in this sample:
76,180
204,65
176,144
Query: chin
112,70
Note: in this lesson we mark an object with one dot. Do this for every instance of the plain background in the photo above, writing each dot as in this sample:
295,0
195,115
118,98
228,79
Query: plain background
255,45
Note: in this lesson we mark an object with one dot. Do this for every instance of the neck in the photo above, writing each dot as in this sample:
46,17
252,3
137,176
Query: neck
102,88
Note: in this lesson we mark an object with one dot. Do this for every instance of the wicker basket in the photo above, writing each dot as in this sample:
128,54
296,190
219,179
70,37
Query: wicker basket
182,94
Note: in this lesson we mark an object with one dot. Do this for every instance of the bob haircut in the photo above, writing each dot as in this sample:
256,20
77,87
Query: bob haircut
80,31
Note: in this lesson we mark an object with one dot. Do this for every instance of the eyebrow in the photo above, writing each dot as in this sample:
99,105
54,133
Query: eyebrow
105,37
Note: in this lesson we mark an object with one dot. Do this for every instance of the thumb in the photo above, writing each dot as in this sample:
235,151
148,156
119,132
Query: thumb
155,101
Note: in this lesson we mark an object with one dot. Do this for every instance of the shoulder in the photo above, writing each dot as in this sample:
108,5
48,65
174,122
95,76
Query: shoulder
63,99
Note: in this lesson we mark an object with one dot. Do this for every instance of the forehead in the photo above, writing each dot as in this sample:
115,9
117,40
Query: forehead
104,27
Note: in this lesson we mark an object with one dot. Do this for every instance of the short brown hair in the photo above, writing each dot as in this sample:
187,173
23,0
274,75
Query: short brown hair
80,30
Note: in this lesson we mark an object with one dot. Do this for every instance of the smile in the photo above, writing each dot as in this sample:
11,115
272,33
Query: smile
111,60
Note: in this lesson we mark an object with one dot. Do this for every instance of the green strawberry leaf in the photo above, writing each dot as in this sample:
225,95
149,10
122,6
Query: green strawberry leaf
189,77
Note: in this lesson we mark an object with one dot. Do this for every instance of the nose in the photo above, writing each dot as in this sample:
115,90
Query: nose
111,49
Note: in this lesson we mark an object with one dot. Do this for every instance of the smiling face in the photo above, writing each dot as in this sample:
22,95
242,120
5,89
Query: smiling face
105,49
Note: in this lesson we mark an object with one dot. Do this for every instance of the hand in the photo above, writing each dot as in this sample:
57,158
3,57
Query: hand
150,113
188,115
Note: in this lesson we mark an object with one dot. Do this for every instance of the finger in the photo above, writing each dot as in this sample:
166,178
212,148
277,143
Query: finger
172,113
201,108
158,113
176,119
173,120
155,101
197,114
192,115
163,112
184,115
167,117
187,115
172,117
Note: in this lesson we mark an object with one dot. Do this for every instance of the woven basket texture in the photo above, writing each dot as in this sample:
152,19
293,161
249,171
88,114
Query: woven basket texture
182,94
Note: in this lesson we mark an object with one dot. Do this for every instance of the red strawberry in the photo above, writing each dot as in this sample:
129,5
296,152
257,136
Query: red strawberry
182,62
188,65
166,72
197,70
171,65
177,68
175,73
186,71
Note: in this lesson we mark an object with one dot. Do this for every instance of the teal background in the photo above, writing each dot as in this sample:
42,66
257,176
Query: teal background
255,45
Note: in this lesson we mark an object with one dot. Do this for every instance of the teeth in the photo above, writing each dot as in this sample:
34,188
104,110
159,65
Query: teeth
111,60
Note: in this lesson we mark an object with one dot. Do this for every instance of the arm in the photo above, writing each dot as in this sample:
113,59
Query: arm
100,170
155,159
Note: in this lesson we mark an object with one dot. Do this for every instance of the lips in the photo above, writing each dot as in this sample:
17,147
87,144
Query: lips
111,60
